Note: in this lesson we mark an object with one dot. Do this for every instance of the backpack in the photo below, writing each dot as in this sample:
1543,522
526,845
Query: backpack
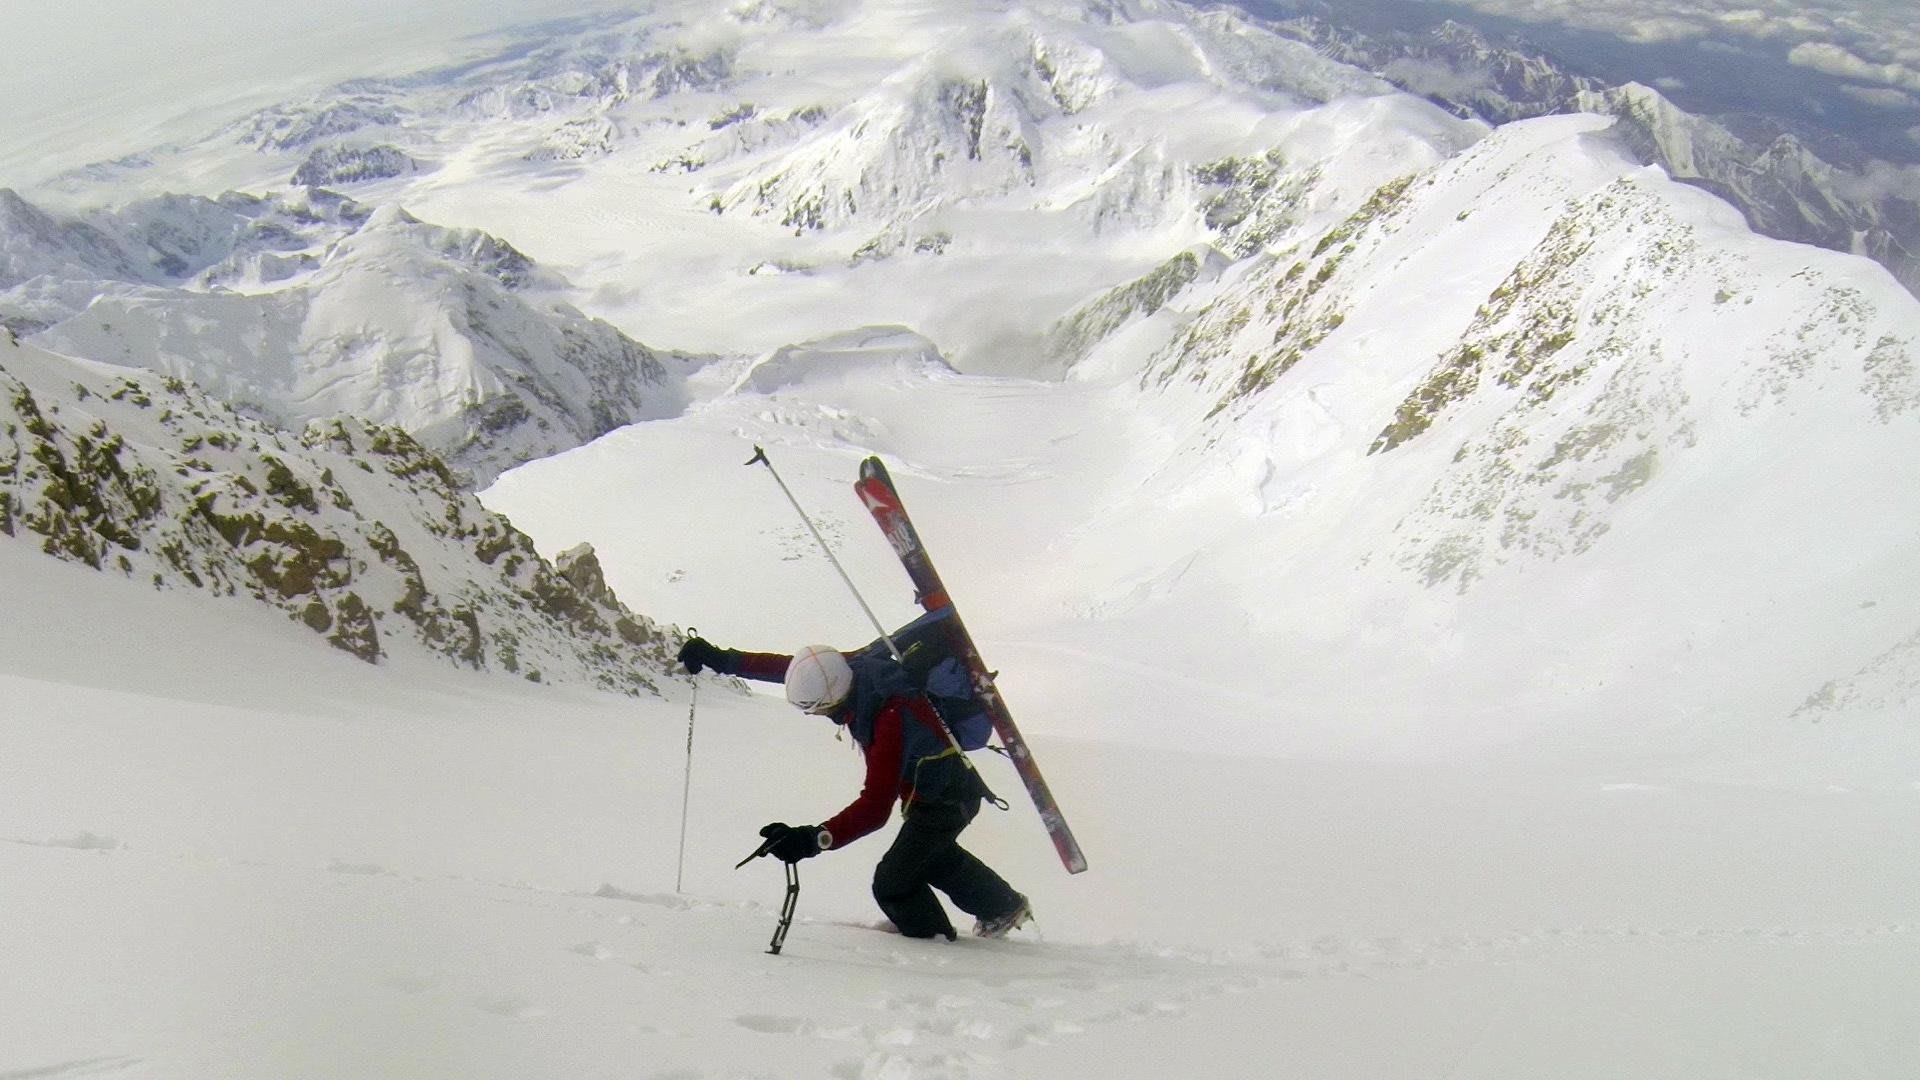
933,654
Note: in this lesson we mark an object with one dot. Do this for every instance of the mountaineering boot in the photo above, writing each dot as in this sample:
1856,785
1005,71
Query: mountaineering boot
1001,925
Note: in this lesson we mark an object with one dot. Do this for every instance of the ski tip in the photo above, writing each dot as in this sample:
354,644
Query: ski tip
873,468
1071,856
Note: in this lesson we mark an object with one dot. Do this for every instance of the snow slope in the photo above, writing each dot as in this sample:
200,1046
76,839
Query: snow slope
1461,595
1624,433
231,851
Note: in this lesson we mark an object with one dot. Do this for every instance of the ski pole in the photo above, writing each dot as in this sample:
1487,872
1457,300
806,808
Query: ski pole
760,458
686,786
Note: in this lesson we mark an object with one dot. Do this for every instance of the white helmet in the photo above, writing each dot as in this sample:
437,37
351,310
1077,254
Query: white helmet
818,680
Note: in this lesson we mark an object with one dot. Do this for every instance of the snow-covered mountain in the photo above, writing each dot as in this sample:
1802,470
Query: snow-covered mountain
1532,433
1784,187
1485,558
352,528
1545,380
915,149
305,304
929,108
1033,107
1315,294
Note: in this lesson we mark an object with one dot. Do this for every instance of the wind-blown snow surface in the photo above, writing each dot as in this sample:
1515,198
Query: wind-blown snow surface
282,862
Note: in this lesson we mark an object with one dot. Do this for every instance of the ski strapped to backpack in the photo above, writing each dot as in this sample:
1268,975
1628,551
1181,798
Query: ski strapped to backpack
893,651
949,666
934,659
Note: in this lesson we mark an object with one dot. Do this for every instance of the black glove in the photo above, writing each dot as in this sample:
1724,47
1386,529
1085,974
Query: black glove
791,843
699,653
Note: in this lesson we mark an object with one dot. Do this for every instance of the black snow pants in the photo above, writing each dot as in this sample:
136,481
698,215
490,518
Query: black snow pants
926,856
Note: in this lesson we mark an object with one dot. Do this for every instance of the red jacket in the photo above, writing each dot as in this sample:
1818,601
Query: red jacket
883,785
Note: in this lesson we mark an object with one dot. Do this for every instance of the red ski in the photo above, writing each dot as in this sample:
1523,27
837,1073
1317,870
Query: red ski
876,490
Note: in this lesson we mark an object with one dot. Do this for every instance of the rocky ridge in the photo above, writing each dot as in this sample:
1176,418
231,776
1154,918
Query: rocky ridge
336,166
353,529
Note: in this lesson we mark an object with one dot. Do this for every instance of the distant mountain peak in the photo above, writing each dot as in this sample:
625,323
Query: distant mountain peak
452,334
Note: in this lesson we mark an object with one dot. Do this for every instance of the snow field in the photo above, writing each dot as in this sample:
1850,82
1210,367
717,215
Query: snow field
1340,825
235,852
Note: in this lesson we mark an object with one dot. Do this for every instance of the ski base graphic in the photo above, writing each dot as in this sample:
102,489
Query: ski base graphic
877,492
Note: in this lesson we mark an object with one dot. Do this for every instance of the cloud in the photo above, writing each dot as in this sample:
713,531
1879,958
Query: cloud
1776,24
1837,31
1882,97
1914,133
1437,78
1879,180
1835,60
1660,29
1669,84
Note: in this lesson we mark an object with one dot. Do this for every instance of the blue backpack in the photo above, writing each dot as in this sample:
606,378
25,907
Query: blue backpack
933,656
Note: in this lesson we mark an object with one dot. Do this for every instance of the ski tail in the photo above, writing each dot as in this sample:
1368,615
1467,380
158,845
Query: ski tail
882,500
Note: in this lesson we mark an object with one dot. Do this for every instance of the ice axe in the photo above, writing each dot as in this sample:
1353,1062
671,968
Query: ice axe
793,891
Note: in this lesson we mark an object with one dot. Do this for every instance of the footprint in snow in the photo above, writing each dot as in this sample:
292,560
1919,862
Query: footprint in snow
358,869
85,1067
794,1025
84,841
665,900
1043,1033
408,983
772,1025
922,1002
1023,1002
511,1007
886,1066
